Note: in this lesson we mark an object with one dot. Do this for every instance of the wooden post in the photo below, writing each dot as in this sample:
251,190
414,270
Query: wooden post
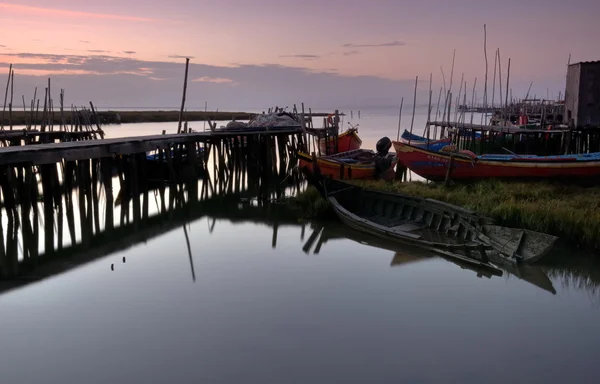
414,105
399,119
449,170
187,63
6,96
12,83
429,108
486,67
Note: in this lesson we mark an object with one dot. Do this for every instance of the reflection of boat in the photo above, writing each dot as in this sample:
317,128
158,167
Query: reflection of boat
434,165
357,164
434,225
406,254
346,141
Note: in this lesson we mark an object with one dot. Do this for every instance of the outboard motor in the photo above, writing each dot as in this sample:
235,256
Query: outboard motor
383,146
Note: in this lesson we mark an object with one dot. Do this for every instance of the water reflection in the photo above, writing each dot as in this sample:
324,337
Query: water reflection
80,223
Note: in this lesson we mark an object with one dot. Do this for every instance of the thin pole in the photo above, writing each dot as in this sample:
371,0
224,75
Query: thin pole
399,119
12,84
187,63
473,100
494,82
205,110
429,107
437,113
6,97
486,65
507,88
413,113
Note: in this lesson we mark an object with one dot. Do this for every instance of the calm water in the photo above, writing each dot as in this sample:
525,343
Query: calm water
257,302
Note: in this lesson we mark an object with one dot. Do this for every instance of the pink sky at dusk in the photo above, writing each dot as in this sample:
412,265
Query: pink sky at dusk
379,39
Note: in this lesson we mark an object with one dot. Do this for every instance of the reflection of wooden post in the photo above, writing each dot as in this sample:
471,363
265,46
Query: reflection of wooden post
274,240
106,174
47,187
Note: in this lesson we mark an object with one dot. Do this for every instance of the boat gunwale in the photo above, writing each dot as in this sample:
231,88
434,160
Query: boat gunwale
511,162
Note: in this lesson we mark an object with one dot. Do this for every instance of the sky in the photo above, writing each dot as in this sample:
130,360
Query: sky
260,53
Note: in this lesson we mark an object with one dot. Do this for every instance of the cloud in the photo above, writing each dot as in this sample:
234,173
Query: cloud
180,57
350,53
121,81
2,46
305,57
98,51
84,41
66,13
390,44
208,79
130,52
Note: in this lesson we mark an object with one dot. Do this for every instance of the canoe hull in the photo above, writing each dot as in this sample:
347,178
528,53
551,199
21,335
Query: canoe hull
347,141
434,165
435,225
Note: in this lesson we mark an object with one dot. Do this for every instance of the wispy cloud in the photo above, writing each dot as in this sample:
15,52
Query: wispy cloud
98,51
305,57
84,42
350,53
158,83
2,46
67,13
180,57
390,44
129,52
208,79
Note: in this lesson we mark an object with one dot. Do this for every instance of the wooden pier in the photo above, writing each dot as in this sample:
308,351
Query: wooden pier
558,140
52,189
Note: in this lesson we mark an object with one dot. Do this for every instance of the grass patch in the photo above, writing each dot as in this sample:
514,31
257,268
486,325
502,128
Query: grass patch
309,204
569,212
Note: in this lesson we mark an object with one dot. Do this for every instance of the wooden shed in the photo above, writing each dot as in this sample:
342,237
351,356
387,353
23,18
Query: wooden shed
582,95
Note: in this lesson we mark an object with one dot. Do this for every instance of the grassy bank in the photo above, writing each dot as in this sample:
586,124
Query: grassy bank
570,212
309,204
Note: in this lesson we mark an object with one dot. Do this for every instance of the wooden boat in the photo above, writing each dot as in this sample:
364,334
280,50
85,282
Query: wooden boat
346,141
357,164
468,166
423,142
440,227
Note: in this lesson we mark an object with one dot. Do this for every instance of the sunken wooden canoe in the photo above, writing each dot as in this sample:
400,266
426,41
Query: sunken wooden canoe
444,228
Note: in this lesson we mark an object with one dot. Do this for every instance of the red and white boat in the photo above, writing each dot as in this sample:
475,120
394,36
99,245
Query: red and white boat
346,141
468,166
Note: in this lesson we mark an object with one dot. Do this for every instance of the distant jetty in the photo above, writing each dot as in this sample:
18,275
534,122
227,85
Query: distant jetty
158,116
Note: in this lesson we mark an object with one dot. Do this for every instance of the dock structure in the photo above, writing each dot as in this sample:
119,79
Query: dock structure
553,140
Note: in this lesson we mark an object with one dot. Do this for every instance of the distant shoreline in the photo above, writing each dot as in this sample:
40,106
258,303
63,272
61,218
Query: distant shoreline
154,116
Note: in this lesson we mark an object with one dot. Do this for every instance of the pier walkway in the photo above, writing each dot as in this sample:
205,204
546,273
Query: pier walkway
89,149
